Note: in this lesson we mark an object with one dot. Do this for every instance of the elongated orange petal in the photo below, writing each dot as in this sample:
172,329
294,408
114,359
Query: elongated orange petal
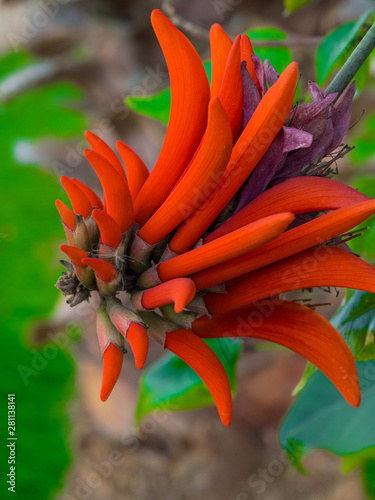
67,216
78,199
299,195
188,118
246,53
254,141
116,192
296,327
218,251
230,93
191,349
102,148
112,364
136,170
137,337
110,232
75,254
317,267
203,173
89,193
294,241
103,269
220,47
180,291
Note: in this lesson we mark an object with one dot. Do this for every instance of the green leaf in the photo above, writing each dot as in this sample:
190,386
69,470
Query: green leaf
42,378
356,323
279,57
368,478
321,418
365,245
293,5
157,106
364,151
309,371
334,45
170,384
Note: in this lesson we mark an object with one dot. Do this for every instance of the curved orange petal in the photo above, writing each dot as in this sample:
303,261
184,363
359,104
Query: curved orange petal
75,254
102,148
246,53
254,141
317,267
89,193
296,240
220,47
219,251
118,202
112,364
298,195
188,118
103,269
78,199
230,93
137,337
179,291
296,327
67,216
110,232
136,170
202,174
196,353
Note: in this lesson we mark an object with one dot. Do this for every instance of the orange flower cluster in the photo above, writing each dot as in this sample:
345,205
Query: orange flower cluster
180,236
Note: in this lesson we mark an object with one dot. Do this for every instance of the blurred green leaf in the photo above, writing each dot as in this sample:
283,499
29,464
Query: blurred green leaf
321,418
157,106
364,140
293,5
356,322
279,57
366,461
170,384
309,371
41,377
334,45
365,245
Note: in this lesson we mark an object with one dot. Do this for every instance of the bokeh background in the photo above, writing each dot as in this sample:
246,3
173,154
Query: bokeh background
67,66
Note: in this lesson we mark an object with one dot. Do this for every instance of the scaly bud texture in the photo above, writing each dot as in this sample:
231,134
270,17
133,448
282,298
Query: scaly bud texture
217,225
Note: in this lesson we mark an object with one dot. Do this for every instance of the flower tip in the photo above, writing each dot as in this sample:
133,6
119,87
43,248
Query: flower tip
226,418
354,397
293,67
138,340
67,215
112,364
157,14
75,254
104,270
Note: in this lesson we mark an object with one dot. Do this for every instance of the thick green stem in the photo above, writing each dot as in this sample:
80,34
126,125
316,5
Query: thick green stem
352,65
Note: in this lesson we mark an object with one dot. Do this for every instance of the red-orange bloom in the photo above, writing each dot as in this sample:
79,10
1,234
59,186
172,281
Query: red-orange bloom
238,208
